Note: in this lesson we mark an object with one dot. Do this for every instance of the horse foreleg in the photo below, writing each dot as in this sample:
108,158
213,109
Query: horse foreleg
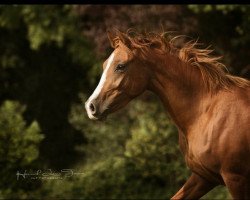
194,188
238,185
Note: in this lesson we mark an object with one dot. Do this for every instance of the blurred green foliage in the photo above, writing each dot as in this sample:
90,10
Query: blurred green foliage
49,64
19,148
139,162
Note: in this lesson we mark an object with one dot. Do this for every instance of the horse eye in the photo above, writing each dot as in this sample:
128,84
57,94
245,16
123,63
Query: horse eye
120,67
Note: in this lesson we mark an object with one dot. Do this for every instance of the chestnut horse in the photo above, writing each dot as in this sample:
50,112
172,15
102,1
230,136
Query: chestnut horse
210,108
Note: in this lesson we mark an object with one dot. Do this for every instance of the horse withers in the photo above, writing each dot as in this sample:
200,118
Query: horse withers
210,108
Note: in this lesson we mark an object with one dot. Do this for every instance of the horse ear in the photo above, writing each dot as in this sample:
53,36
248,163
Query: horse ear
124,39
115,33
111,36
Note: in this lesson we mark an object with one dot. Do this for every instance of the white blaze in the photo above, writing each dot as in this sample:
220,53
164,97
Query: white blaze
100,85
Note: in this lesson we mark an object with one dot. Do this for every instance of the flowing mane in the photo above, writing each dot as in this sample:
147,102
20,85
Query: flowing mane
214,73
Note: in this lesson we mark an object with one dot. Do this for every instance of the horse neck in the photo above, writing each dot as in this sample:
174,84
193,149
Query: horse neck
180,88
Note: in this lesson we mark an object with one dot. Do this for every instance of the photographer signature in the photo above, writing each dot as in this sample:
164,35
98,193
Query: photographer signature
47,174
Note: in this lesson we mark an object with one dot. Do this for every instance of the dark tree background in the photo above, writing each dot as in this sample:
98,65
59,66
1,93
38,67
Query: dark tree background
50,62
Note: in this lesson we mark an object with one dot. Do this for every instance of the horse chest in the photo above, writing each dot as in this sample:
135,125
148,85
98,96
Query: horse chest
201,158
196,148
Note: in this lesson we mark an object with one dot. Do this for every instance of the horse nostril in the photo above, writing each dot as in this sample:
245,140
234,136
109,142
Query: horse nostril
92,107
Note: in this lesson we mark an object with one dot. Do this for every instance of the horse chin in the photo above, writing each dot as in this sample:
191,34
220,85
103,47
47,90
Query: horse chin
116,107
102,118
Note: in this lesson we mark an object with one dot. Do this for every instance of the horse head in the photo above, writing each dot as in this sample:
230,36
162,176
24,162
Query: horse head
124,77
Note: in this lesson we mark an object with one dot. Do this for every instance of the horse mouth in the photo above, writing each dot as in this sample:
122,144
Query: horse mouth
98,116
97,111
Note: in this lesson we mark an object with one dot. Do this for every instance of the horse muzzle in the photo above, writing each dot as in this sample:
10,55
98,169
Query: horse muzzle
93,110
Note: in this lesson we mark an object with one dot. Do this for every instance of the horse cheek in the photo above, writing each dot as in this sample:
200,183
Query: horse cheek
137,86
